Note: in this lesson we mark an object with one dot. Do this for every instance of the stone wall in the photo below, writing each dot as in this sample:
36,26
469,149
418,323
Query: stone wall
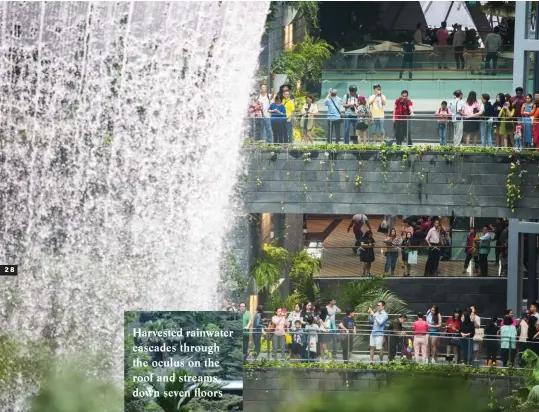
285,389
432,184
488,294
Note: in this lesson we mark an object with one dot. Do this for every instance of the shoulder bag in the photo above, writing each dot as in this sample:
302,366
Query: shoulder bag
340,114
479,335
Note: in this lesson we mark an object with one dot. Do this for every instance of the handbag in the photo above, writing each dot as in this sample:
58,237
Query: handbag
412,257
383,227
479,335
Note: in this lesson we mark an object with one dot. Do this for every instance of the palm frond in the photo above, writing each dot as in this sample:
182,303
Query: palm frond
353,293
394,304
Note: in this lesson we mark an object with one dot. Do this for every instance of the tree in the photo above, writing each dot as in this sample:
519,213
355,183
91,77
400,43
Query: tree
304,61
268,267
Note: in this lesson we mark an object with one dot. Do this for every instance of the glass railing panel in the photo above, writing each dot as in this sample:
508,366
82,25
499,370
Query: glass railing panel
424,128
311,344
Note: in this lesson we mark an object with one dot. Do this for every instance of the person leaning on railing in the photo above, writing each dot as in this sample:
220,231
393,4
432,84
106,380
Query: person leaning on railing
347,328
490,342
396,336
508,345
457,109
376,106
467,332
452,333
421,345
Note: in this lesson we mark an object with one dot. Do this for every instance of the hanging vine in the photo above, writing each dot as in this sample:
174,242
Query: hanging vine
515,184
515,181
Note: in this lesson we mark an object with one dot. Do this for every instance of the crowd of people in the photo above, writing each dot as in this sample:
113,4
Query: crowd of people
419,232
509,121
310,330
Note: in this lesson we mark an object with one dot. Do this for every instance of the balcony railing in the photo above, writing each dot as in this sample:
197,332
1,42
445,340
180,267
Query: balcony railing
420,129
341,346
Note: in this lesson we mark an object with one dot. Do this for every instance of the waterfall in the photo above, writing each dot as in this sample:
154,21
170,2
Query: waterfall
121,129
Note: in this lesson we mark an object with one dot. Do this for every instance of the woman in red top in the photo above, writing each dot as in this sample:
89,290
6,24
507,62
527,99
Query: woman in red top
452,329
535,125
421,343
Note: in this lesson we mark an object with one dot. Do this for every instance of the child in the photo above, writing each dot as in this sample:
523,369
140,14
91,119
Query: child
298,341
311,328
442,114
363,118
518,136
509,341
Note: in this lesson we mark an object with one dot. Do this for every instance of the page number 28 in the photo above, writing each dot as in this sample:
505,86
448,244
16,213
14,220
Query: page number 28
8,270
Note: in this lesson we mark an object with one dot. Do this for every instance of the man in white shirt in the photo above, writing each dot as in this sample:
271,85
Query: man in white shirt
457,110
376,106
264,123
434,240
458,46
493,44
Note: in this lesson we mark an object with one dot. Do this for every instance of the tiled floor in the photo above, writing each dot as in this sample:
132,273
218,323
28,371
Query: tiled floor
338,259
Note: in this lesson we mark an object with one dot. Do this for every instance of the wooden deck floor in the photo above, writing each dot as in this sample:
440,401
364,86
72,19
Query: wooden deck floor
339,261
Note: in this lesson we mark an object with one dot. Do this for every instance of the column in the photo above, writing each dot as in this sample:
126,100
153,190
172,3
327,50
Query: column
532,269
514,266
519,50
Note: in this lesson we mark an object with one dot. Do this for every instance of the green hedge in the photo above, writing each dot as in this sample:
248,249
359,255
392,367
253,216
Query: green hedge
405,366
394,148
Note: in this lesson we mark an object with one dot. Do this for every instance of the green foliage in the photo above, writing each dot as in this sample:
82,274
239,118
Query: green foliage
22,361
304,61
268,267
234,284
533,396
68,390
532,361
226,403
176,403
304,264
408,368
419,150
515,184
364,294
305,9
394,304
427,392
319,133
500,8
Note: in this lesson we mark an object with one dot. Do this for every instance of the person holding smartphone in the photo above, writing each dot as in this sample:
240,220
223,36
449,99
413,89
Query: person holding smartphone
506,123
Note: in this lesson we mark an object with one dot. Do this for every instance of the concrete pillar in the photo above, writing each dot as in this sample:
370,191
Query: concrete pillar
532,269
519,50
514,268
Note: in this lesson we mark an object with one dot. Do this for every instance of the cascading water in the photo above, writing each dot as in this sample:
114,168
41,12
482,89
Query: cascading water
120,146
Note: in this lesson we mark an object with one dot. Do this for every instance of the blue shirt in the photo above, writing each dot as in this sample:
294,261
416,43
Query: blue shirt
379,320
278,116
333,112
